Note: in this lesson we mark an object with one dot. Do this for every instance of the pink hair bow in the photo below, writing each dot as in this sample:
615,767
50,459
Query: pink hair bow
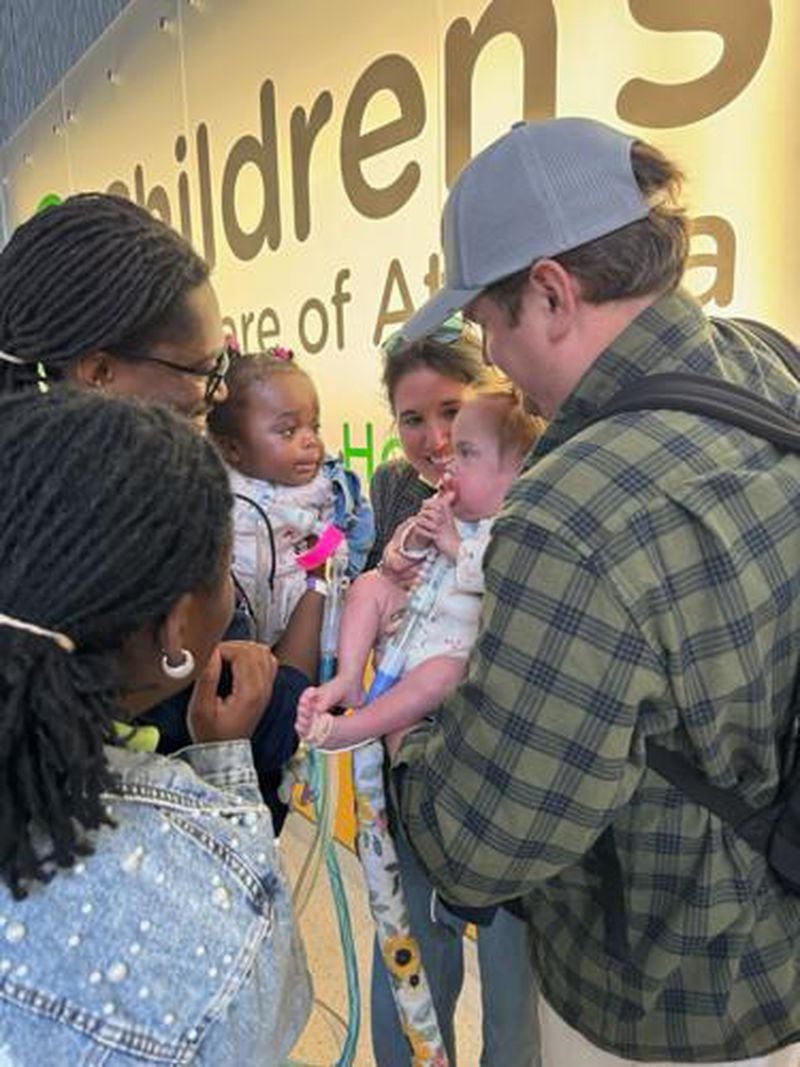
279,352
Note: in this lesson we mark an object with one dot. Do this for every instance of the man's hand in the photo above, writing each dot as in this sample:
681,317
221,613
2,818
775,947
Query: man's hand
214,718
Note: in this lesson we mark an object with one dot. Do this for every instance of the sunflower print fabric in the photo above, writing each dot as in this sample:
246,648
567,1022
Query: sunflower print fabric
399,949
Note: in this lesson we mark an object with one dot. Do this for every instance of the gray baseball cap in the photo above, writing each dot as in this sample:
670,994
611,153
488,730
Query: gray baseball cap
540,189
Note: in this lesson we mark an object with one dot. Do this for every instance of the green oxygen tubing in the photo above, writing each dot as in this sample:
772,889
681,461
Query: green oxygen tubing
376,848
330,549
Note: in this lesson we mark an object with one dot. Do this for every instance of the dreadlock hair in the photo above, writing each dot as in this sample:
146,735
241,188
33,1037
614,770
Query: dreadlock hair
96,271
110,512
246,370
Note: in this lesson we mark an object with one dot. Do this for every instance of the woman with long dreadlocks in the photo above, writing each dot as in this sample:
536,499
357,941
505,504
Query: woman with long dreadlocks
143,913
98,293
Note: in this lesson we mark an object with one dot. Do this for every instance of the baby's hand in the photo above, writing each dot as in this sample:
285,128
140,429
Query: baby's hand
428,521
435,520
312,724
414,541
339,692
447,538
307,711
397,567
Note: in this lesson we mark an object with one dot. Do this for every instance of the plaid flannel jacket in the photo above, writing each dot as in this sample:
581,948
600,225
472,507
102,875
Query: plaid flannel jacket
643,580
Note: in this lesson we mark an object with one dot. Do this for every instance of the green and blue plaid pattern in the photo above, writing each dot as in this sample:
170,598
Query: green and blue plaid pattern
643,581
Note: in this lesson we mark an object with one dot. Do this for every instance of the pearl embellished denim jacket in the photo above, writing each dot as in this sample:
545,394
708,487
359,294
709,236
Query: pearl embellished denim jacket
174,943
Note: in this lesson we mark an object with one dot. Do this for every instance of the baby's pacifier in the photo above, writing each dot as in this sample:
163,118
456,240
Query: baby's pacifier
327,543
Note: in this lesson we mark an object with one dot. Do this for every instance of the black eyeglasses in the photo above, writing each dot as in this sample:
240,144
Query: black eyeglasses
214,377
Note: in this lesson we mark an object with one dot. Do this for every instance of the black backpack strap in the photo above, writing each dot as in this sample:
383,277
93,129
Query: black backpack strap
712,397
732,404
774,339
754,825
677,769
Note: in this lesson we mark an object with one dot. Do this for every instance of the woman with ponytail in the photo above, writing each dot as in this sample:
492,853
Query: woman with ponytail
143,913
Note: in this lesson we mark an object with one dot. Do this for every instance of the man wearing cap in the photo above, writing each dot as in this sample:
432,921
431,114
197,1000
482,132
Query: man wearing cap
641,584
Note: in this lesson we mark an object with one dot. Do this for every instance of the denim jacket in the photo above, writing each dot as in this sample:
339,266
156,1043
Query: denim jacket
174,943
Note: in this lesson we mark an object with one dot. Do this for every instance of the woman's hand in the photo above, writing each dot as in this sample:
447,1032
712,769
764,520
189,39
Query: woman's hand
214,718
397,567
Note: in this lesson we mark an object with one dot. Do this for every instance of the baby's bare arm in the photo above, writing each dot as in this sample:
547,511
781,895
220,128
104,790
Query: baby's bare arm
370,601
298,645
370,604
415,695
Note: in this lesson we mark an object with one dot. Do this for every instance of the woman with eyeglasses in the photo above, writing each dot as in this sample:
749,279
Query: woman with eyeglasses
425,385
97,293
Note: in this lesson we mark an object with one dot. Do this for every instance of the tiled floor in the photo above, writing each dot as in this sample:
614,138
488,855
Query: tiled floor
321,1043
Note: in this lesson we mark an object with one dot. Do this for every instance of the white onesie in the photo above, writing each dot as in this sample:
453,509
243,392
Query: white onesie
252,551
452,626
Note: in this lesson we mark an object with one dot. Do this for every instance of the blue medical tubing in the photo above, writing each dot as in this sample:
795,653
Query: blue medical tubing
419,606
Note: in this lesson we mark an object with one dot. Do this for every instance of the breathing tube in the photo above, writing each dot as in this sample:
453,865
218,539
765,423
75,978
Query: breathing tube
376,848
331,549
323,787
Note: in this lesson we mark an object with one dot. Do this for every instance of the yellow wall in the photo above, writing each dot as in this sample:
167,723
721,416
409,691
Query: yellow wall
308,142
307,147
